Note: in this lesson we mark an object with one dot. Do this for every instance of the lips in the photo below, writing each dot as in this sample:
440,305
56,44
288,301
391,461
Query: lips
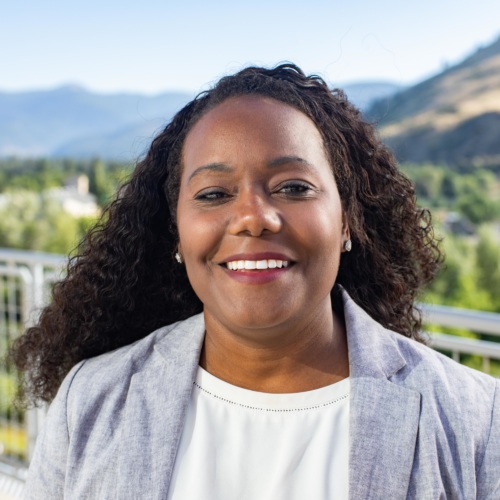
245,265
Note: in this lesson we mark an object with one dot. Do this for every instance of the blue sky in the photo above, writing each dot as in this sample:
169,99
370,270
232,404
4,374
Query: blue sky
152,46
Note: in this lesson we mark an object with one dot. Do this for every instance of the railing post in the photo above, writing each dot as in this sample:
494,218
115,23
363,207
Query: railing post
35,416
486,364
19,302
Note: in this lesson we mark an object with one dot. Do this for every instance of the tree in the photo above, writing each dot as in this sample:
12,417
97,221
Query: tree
457,283
33,221
477,207
99,182
488,266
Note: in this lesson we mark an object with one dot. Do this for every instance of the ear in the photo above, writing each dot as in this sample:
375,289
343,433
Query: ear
346,233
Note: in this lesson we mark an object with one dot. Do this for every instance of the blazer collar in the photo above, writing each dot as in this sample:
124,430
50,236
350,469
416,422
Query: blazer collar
384,416
373,351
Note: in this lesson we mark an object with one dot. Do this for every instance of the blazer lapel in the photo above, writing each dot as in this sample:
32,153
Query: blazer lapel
154,413
384,416
384,425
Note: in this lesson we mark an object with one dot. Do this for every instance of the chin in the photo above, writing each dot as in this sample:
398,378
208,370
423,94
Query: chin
259,321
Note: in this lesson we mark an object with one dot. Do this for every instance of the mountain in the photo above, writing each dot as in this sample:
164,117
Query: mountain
452,117
73,122
43,123
124,143
363,94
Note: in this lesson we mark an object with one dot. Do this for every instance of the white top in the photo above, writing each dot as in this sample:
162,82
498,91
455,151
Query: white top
241,444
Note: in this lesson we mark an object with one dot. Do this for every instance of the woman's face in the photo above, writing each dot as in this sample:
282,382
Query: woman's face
259,215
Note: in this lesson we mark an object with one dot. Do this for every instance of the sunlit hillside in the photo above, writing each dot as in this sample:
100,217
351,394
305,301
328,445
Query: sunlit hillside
452,117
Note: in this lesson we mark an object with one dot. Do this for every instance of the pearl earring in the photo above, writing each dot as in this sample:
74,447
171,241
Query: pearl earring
348,245
178,258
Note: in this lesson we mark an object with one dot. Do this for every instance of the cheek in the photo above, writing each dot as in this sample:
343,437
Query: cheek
198,235
324,228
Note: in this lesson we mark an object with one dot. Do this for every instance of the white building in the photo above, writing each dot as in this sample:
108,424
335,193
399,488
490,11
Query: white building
75,198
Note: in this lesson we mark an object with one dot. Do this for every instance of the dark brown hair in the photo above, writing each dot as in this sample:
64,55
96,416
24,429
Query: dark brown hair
123,283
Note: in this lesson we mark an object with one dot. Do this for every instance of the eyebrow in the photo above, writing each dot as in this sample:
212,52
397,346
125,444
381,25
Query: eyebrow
282,160
214,167
275,162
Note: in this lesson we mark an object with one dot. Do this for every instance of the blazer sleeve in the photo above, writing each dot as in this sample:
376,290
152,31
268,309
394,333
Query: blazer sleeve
488,486
47,472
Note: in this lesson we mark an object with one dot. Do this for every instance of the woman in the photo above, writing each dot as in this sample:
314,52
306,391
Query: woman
275,235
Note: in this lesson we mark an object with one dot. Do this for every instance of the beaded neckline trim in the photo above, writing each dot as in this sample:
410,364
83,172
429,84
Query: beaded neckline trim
271,410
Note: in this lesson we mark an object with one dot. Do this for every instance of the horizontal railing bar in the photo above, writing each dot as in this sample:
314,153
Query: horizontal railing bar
465,345
22,273
30,257
17,470
477,321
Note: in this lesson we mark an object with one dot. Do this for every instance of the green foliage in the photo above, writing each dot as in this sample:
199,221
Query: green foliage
42,174
32,221
430,183
29,216
457,283
473,192
477,208
470,277
100,182
8,391
488,265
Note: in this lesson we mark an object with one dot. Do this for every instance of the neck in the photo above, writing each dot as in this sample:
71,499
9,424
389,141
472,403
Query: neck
311,355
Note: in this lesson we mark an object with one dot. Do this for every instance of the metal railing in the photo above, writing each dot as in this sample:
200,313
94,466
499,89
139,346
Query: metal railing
475,321
25,279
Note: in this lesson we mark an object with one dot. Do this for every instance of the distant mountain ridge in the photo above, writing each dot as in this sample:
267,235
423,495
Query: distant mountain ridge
364,94
45,123
73,122
452,117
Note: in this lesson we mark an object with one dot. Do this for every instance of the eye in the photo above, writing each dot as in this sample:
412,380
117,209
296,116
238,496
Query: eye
295,189
211,195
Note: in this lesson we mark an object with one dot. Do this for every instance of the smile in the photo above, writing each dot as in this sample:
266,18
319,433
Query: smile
238,265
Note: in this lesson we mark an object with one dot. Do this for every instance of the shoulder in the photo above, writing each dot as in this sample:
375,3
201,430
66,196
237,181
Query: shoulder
459,412
434,373
110,374
382,353
102,399
445,387
459,406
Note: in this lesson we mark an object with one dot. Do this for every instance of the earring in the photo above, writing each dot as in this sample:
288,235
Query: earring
178,258
348,245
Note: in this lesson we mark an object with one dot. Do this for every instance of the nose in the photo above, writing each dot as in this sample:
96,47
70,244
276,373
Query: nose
253,214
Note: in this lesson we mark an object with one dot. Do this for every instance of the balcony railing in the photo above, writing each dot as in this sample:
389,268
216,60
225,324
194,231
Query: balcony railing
25,280
476,321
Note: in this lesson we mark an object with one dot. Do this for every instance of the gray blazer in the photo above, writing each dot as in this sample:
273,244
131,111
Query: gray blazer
422,426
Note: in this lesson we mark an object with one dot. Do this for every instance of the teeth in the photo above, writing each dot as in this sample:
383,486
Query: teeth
236,265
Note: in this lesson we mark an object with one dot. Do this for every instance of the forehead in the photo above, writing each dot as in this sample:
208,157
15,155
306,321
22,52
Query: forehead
248,123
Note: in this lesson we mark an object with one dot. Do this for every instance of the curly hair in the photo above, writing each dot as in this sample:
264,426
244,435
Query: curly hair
123,283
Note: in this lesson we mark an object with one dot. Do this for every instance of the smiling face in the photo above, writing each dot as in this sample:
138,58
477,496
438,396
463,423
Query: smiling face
259,216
